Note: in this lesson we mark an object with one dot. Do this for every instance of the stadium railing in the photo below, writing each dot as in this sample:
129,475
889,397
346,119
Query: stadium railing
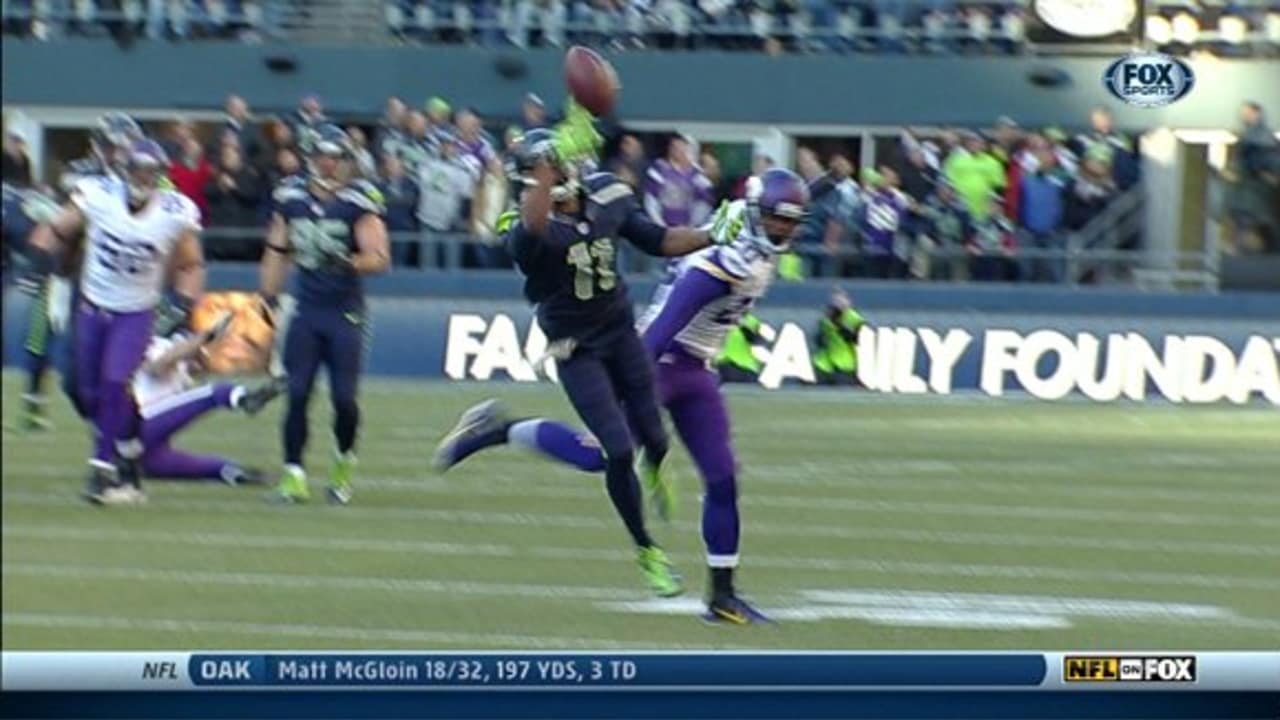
1081,258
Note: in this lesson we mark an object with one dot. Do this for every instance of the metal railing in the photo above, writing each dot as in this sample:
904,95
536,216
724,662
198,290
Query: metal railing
459,252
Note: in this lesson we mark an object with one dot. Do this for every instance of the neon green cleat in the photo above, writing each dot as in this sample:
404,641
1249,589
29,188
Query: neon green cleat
340,477
658,571
660,486
293,488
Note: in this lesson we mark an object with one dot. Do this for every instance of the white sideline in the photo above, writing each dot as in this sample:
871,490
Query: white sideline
334,632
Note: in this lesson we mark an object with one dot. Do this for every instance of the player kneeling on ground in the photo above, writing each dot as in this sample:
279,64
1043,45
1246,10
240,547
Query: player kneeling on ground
169,401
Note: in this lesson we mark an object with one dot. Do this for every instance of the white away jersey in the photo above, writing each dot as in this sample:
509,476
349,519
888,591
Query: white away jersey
127,254
747,264
150,388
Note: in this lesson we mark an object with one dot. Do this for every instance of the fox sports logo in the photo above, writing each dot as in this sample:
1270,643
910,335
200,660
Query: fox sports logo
1149,79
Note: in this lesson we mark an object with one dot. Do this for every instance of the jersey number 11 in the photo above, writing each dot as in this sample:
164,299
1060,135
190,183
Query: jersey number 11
593,267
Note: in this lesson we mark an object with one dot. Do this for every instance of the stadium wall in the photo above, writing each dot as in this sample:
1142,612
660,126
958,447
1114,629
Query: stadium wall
1105,346
672,87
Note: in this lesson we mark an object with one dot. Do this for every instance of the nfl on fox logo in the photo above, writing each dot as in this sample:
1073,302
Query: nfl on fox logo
1149,79
1159,668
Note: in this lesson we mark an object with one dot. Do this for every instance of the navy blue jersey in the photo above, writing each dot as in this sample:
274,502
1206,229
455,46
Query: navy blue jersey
571,273
321,237
20,212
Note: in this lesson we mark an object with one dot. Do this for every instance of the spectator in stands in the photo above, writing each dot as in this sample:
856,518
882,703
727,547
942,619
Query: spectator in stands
284,162
234,195
190,172
819,237
304,120
882,217
1067,158
1091,190
444,182
17,164
391,128
943,234
489,201
400,192
365,163
1005,140
975,173
916,175
533,112
760,162
675,190
240,125
474,148
631,163
721,188
420,145
992,244
438,115
1043,205
1121,155
1253,197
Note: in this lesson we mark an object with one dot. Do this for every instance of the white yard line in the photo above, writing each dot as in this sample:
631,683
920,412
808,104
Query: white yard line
328,632
752,529
848,505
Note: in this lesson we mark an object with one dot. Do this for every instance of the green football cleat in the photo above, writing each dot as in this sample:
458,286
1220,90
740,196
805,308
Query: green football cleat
340,478
662,578
660,486
293,488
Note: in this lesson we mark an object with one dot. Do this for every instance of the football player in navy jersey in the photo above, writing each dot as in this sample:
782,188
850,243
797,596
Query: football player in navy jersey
564,240
330,225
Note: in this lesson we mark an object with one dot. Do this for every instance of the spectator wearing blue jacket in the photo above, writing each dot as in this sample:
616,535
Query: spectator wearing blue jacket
401,195
1041,209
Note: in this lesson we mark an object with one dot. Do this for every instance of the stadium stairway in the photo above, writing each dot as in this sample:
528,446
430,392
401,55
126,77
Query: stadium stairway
327,22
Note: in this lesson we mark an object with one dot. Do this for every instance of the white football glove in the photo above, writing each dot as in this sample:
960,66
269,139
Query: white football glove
59,304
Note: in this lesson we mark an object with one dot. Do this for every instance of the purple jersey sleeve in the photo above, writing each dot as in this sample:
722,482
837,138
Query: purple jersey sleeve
690,294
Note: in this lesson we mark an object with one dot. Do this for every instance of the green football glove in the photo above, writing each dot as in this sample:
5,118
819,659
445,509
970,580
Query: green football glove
726,224
575,137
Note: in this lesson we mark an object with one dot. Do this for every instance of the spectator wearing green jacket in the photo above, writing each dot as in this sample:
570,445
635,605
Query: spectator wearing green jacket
836,360
975,174
737,361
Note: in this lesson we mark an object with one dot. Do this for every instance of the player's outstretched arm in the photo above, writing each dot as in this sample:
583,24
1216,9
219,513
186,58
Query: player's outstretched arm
535,201
660,241
275,259
373,247
52,240
693,291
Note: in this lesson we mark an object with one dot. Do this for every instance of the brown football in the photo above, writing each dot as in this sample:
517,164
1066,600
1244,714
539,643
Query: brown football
591,80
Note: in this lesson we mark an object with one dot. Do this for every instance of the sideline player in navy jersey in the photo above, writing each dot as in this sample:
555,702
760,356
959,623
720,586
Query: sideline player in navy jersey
564,242
23,210
330,224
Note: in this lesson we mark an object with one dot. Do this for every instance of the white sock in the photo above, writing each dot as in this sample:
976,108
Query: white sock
237,394
524,433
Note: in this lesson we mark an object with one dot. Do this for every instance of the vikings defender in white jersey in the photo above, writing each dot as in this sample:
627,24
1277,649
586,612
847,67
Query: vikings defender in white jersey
134,235
705,295
169,399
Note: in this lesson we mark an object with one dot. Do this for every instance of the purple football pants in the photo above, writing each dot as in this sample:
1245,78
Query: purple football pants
163,419
110,347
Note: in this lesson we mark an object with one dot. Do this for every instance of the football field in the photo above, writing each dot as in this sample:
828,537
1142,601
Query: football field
868,522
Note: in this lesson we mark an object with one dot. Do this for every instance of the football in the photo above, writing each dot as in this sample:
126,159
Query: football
591,80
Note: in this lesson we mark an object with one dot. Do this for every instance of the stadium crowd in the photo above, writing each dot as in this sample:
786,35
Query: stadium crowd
950,205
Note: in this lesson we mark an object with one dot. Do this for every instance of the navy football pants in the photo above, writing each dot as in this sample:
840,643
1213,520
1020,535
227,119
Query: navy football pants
334,339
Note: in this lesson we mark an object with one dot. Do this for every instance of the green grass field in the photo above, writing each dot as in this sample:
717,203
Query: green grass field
869,522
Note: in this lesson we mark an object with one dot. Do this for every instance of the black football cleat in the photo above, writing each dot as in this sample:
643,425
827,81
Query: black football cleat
252,401
733,610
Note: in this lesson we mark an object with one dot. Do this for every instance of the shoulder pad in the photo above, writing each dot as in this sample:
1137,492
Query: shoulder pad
605,188
290,189
364,195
